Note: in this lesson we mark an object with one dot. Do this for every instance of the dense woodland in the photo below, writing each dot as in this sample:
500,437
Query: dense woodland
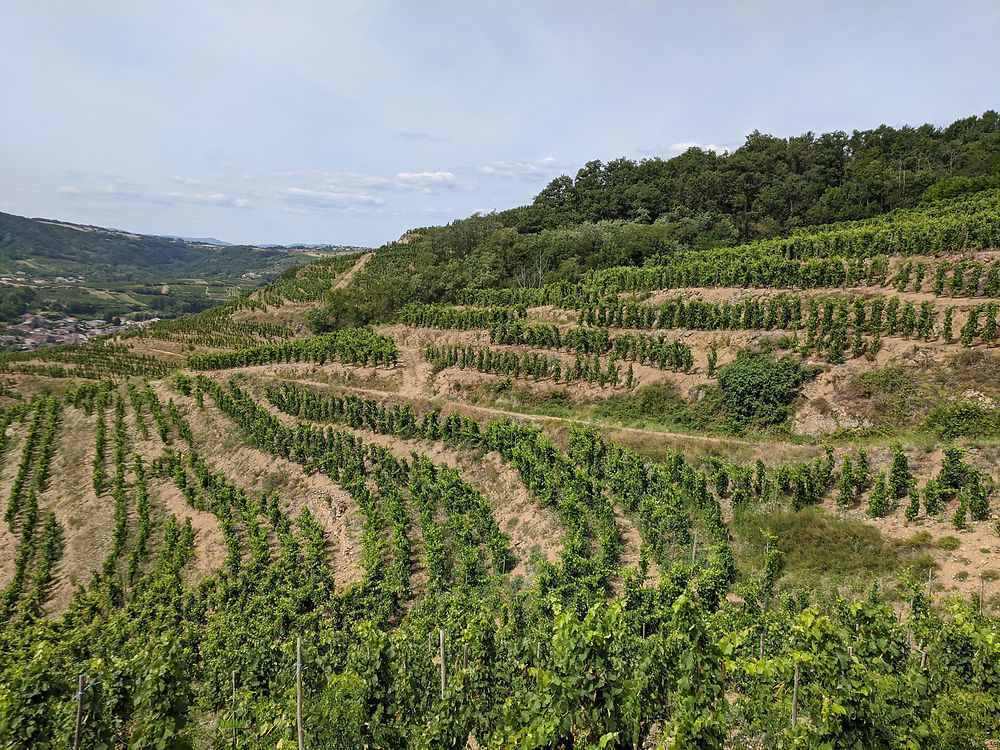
539,479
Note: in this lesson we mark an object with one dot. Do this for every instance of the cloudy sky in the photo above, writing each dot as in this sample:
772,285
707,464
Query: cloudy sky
350,122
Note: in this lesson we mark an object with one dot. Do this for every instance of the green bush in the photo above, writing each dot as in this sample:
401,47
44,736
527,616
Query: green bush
962,419
758,389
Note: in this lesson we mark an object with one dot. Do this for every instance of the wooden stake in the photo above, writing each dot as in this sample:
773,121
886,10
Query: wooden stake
298,691
444,667
982,594
465,656
538,661
694,549
761,654
930,574
234,709
795,698
79,711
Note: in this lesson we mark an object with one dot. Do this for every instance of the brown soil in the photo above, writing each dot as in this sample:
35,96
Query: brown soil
354,271
219,442
532,529
8,470
87,520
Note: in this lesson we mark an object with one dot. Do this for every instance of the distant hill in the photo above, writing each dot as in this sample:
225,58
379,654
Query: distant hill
47,247
200,240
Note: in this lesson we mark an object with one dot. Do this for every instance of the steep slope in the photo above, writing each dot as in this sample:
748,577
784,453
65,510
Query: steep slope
710,473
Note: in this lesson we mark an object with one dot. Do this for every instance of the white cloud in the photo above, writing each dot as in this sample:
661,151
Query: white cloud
426,137
211,199
524,170
429,182
328,198
114,190
353,182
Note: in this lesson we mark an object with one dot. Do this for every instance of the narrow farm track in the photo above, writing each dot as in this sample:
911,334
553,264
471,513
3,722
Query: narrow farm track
354,271
652,442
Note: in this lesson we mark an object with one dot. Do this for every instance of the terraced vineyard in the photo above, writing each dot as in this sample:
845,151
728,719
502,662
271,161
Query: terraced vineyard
738,498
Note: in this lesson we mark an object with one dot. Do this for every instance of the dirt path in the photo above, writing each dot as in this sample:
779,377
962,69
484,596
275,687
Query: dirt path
735,294
346,279
650,442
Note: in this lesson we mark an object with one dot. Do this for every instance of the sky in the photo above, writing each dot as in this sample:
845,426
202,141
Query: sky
346,122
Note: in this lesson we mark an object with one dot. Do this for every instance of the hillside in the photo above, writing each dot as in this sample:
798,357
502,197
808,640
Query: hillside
68,273
43,248
693,479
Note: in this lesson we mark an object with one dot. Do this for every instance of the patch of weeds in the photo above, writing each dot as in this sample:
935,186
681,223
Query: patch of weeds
949,543
652,404
822,546
922,564
919,540
891,392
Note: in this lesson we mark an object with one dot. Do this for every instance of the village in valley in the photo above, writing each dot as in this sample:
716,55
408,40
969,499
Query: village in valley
38,330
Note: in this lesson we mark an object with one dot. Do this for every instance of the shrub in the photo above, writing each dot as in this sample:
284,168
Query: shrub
932,497
953,469
961,419
899,474
758,389
979,505
949,543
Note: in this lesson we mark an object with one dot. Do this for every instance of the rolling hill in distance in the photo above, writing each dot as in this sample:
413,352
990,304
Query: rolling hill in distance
680,450
46,247
59,270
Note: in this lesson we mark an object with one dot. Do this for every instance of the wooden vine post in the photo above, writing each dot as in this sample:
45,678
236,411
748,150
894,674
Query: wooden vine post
298,691
795,697
444,667
79,711
234,709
